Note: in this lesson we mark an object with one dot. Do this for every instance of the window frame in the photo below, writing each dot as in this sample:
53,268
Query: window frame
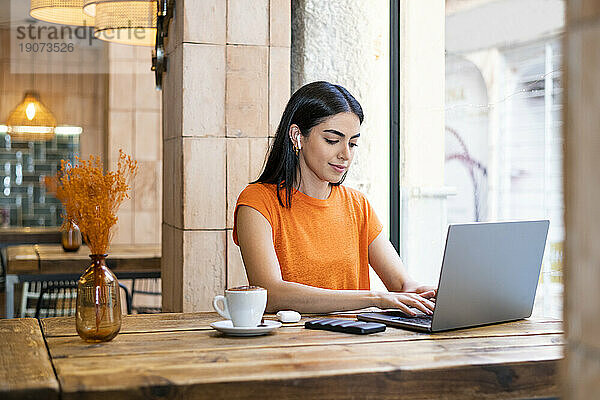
395,124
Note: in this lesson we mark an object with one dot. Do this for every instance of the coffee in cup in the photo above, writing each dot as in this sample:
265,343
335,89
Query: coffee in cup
243,305
244,288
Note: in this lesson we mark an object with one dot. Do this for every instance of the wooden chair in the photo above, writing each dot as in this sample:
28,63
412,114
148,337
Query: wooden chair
3,276
57,292
59,299
2,269
145,287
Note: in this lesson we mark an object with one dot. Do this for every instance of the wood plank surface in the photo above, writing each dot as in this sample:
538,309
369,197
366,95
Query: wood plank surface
289,336
120,251
19,235
54,259
162,322
441,364
507,381
25,368
21,259
419,354
174,356
172,322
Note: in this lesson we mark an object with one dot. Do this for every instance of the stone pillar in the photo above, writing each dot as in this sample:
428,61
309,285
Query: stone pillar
582,199
133,117
422,91
226,86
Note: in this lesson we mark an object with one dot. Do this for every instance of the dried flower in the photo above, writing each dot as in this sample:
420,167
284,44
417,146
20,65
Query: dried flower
91,197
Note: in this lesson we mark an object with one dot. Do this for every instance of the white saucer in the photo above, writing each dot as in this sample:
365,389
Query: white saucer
227,328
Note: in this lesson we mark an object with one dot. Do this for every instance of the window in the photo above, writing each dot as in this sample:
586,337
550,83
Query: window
503,119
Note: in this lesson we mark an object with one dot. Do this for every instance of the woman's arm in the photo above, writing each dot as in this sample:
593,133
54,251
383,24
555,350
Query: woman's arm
386,262
262,267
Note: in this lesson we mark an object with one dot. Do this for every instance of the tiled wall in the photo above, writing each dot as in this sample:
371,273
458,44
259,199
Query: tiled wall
74,99
23,166
134,125
582,197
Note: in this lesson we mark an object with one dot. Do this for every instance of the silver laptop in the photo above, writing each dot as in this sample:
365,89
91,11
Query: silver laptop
489,274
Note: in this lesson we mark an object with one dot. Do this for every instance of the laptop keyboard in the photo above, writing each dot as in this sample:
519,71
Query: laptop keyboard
421,319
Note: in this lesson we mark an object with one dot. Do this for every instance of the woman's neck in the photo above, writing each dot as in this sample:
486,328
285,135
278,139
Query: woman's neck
321,193
314,187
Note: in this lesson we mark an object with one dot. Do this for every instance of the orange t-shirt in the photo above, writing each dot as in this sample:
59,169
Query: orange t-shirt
321,243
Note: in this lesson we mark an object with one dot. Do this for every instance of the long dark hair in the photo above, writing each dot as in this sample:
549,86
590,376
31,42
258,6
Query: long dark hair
310,105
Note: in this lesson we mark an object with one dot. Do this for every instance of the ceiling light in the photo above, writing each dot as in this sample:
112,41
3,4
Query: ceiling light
68,12
126,21
89,7
31,120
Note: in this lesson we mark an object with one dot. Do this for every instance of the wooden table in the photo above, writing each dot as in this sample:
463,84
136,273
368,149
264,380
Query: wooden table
17,235
51,262
178,356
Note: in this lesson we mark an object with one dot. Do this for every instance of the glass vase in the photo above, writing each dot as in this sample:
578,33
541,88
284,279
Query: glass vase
71,238
98,313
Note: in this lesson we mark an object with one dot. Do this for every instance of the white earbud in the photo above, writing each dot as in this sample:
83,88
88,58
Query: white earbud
298,144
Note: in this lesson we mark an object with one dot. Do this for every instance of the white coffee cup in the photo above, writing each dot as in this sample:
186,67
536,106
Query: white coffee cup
243,305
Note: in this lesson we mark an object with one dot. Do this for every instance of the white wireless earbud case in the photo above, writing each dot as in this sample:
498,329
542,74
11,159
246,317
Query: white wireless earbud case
288,316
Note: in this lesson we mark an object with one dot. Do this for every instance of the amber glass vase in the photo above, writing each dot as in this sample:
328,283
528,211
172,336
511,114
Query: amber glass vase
71,238
98,315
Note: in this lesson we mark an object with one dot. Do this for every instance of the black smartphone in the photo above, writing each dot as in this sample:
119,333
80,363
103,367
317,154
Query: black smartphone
345,326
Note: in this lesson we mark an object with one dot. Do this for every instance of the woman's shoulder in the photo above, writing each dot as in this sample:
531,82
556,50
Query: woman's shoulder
362,207
258,190
352,194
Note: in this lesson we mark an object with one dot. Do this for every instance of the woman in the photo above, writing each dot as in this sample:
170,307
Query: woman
304,236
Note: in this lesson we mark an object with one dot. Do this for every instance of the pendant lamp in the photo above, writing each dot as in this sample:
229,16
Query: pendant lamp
126,21
67,12
89,7
31,120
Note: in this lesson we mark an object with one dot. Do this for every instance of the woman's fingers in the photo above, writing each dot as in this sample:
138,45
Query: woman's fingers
407,302
417,302
430,304
421,300
428,294
424,288
419,306
427,303
404,308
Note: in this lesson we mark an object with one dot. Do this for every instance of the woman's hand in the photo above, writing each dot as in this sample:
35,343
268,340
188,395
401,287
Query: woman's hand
403,302
427,291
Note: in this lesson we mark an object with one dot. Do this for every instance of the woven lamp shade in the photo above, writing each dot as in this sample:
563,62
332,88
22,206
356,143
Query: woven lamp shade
89,7
67,12
31,120
126,21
